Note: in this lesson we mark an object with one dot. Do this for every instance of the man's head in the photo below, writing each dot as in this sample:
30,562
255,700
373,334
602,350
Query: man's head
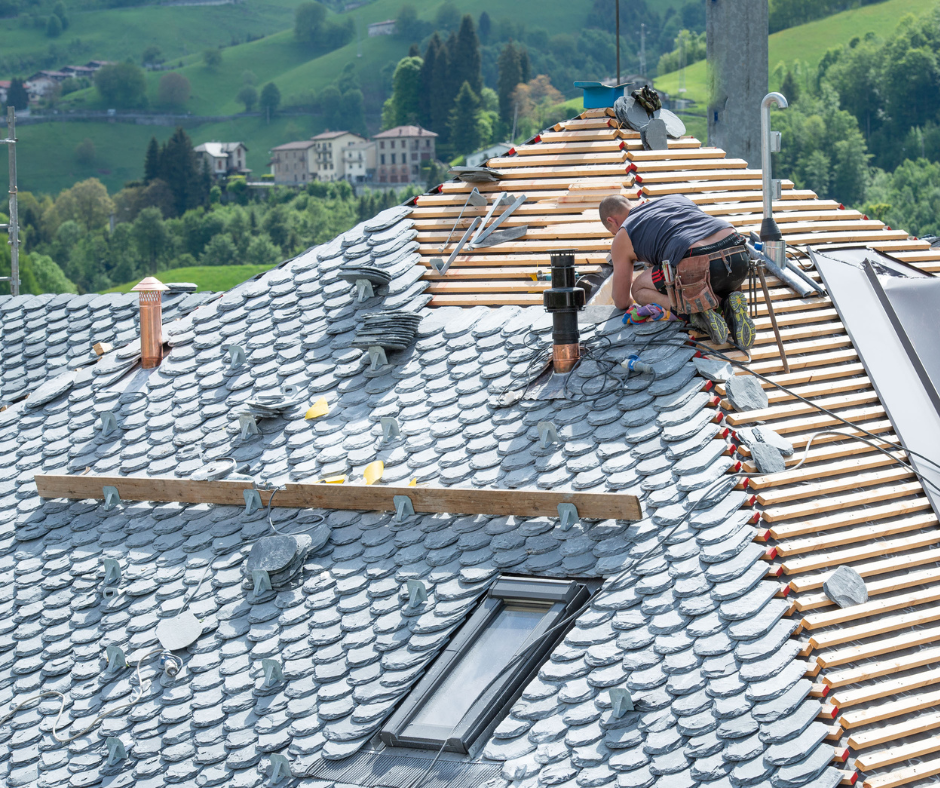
613,210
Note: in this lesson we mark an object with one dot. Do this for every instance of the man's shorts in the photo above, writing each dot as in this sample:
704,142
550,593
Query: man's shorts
727,275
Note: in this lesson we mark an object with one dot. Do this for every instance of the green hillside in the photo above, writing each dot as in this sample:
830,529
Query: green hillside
809,42
213,278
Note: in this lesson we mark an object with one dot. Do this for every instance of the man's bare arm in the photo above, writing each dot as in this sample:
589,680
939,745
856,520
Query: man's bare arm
622,256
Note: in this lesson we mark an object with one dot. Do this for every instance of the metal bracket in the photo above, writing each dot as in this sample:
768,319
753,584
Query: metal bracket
262,581
273,674
280,767
776,141
248,425
474,198
503,199
568,513
377,357
439,265
111,497
390,428
776,189
417,593
116,659
482,236
621,701
403,507
364,290
252,500
237,355
547,433
112,571
116,750
107,423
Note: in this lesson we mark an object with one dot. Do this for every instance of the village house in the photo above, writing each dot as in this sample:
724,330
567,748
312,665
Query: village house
400,153
328,158
224,158
292,163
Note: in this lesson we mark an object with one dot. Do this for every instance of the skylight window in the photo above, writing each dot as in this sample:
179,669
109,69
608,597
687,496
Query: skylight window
486,665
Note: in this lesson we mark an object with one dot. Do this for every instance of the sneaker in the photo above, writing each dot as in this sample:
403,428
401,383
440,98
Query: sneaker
712,323
742,325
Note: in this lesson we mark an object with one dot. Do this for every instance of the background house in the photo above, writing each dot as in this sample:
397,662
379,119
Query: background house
224,158
328,161
359,162
400,152
292,164
386,28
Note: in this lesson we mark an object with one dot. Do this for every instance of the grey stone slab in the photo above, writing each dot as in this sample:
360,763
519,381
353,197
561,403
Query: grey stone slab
802,772
845,587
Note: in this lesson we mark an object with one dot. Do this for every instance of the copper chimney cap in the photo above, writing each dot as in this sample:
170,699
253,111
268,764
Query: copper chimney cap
151,321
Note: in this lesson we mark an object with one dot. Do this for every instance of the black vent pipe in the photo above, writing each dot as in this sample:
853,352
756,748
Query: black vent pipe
563,300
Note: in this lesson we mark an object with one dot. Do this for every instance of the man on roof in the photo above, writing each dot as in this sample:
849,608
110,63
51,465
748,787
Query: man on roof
707,262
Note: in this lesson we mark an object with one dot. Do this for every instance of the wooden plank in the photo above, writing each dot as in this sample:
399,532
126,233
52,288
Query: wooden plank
802,362
873,628
508,286
686,187
819,561
675,173
853,535
495,299
843,519
801,408
871,608
563,159
799,492
870,670
845,656
903,776
878,760
775,395
892,564
814,470
817,421
651,166
842,501
875,587
509,272
676,154
463,500
581,259
928,722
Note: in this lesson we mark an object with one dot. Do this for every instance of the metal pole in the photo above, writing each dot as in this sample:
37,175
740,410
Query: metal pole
773,318
617,17
14,228
765,151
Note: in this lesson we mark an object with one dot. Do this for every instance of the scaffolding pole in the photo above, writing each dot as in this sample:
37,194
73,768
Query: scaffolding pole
13,227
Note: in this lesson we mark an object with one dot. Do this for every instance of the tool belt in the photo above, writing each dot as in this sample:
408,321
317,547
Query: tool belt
693,280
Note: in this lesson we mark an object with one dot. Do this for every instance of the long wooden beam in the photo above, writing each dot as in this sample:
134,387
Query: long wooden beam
453,500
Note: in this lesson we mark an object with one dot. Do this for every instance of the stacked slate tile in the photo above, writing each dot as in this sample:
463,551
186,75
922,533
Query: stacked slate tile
685,619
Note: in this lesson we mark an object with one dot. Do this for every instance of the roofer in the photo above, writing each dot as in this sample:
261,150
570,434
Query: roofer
707,259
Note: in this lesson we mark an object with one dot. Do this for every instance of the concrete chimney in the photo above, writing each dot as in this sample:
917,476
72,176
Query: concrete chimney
736,47
151,321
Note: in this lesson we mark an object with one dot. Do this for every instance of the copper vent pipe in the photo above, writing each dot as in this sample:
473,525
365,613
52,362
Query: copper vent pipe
151,321
563,300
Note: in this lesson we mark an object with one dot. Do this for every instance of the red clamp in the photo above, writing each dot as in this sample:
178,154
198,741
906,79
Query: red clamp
709,385
713,402
511,152
639,179
841,207
755,519
725,432
623,145
537,139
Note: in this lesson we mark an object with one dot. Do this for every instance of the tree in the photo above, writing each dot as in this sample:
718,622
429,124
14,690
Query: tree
262,252
85,152
179,168
151,56
428,67
152,161
484,26
87,204
407,24
54,26
270,99
465,56
533,98
173,90
17,97
49,277
212,58
447,17
403,105
465,134
510,75
525,69
151,236
309,20
121,84
414,50
220,251
248,96
58,11
442,99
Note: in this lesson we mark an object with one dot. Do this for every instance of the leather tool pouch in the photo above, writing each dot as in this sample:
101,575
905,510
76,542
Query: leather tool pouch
693,284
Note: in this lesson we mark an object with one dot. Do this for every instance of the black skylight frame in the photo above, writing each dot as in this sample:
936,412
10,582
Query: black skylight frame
563,597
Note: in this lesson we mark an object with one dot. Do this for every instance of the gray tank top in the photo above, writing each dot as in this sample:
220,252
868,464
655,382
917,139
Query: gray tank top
666,228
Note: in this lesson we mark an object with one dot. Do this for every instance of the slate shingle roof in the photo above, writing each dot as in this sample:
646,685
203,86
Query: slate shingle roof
45,335
693,631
